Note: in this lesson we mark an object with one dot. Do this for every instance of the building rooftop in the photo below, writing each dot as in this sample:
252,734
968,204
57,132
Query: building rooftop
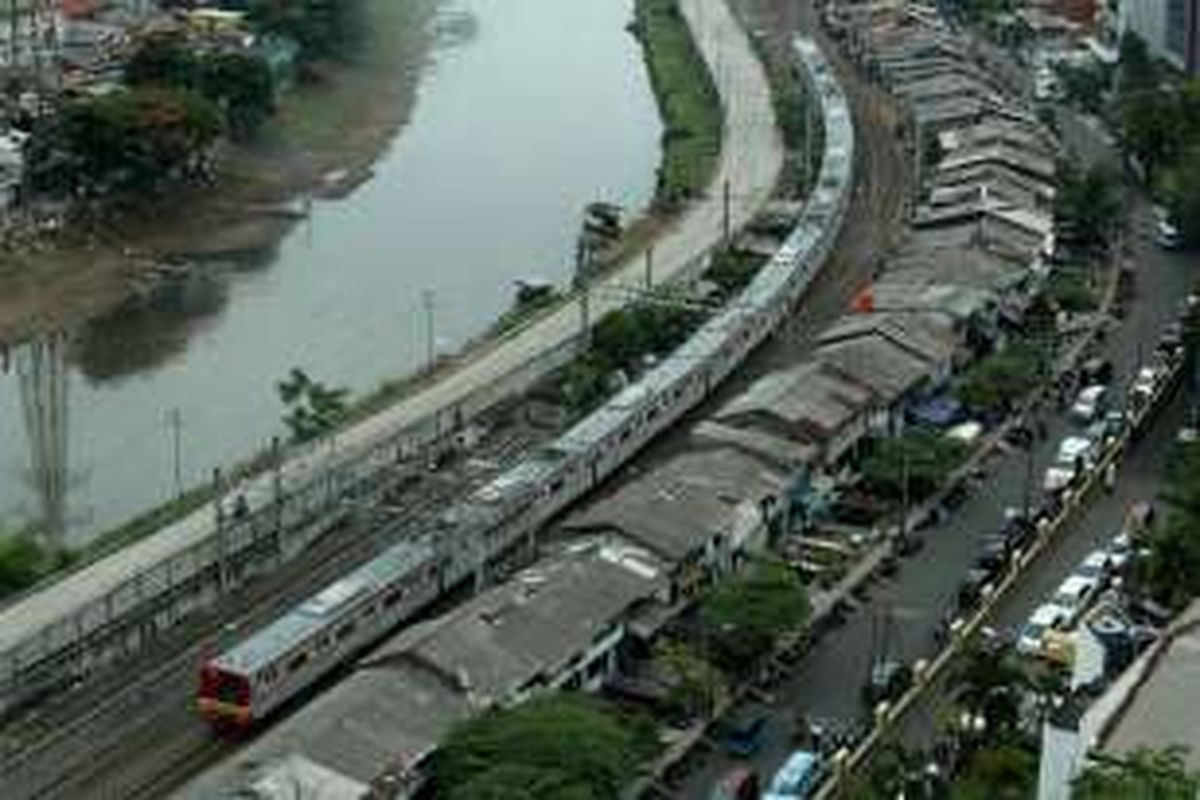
878,363
956,301
682,504
1028,162
804,402
923,335
400,701
1158,711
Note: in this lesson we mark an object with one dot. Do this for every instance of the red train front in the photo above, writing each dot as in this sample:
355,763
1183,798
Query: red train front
224,697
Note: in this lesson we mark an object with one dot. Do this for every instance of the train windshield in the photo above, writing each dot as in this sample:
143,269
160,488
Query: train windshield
224,687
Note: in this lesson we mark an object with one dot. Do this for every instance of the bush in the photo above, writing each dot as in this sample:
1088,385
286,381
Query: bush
993,383
927,458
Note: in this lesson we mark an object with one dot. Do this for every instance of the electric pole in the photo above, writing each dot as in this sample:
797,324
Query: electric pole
427,302
175,424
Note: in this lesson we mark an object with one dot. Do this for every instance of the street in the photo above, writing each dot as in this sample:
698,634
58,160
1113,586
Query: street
828,680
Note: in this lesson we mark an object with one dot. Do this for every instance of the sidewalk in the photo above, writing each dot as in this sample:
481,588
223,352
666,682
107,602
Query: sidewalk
751,159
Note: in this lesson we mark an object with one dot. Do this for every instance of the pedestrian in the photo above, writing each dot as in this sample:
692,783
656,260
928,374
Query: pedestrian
1110,477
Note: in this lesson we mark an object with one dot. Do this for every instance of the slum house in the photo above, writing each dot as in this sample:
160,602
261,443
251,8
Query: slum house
928,337
1026,136
972,313
997,240
556,624
1030,164
902,71
894,375
998,180
807,404
696,512
1031,229
943,87
1009,281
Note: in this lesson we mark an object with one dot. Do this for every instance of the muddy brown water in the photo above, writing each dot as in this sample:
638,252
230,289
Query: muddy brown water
527,110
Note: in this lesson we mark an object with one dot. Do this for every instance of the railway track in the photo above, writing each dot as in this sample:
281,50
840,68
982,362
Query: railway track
142,740
125,740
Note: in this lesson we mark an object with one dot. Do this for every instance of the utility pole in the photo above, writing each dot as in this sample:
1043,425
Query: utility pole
41,365
725,221
175,424
427,302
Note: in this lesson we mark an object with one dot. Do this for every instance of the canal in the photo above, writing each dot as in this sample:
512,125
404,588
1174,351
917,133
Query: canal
526,111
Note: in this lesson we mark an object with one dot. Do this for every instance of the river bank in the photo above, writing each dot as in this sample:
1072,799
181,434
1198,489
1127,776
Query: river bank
322,142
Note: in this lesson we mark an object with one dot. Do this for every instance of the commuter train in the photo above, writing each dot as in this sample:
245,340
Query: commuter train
250,680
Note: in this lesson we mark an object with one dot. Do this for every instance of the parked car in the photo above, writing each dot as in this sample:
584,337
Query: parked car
1119,552
1090,403
1018,529
1097,566
889,679
797,778
993,556
1074,594
1167,235
740,783
1096,371
1145,383
970,589
1046,617
743,734
1074,452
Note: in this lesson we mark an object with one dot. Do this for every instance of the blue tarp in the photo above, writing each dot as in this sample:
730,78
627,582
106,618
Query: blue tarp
938,411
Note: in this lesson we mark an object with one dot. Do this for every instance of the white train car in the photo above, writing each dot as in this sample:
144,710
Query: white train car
252,679
257,675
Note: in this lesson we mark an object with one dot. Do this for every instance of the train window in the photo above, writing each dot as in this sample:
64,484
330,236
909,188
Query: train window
625,434
298,661
345,631
393,597
556,486
652,413
324,641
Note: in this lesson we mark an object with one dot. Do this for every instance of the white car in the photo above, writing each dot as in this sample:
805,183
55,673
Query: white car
1074,594
1120,551
1046,618
1145,383
1167,235
1090,403
1097,566
1071,452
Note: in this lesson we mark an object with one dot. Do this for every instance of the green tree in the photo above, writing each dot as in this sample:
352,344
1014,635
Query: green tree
312,408
1182,189
239,83
555,746
22,562
695,685
242,84
1087,204
923,457
1004,772
322,28
995,382
744,614
1143,775
990,684
128,140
